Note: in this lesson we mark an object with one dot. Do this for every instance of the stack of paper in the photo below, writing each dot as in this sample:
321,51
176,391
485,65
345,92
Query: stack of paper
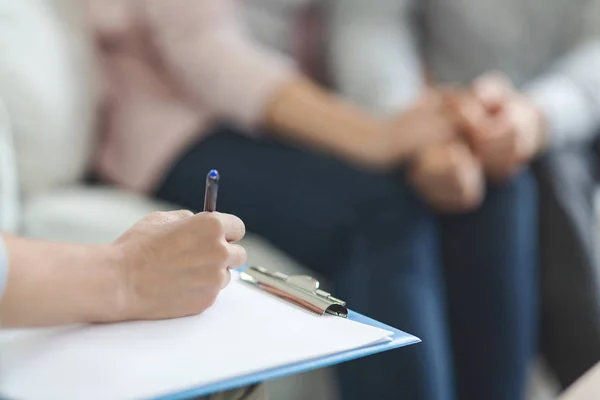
245,331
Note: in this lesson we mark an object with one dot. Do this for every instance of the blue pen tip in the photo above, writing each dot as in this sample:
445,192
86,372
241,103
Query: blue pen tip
213,173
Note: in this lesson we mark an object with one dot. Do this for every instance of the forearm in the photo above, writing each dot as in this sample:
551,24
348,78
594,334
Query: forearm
55,284
240,81
302,112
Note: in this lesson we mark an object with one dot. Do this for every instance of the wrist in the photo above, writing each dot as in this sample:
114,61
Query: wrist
112,304
368,143
308,114
384,146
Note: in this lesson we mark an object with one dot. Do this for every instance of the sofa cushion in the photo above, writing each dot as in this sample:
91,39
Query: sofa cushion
81,214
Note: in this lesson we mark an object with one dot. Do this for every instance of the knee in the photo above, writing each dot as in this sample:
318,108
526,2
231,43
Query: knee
398,206
402,234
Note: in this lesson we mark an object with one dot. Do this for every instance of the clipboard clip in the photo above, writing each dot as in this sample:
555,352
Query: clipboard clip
301,290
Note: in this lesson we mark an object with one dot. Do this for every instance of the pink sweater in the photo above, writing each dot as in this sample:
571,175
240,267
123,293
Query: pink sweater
170,67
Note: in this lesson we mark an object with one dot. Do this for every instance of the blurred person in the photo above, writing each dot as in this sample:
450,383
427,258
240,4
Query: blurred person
533,71
153,271
187,90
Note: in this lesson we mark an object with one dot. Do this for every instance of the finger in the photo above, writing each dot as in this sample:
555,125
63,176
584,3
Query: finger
466,169
473,118
473,185
237,256
465,177
498,141
506,143
519,138
417,175
493,90
233,227
503,129
226,278
457,152
451,100
452,119
500,164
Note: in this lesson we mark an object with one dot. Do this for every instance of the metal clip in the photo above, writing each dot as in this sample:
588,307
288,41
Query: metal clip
301,290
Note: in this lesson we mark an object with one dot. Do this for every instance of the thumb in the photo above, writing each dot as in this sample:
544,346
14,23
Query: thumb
493,89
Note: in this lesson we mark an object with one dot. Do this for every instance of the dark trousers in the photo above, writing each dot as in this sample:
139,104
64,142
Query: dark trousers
466,285
570,276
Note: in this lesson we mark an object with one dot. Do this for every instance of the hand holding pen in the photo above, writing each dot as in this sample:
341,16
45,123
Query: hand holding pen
189,264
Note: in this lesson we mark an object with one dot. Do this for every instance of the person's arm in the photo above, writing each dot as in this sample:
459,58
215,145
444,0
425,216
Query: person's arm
153,271
56,283
219,66
222,68
373,53
568,95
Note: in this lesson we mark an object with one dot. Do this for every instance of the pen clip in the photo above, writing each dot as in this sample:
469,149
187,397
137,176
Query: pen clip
301,290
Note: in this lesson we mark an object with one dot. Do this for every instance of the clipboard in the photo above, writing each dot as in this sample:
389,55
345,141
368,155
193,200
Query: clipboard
399,339
178,359
302,291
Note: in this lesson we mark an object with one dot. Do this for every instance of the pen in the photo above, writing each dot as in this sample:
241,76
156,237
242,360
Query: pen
211,191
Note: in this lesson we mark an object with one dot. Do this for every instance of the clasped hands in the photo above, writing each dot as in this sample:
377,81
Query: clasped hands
495,131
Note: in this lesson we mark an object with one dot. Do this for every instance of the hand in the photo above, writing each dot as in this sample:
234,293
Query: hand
514,132
448,177
173,264
427,123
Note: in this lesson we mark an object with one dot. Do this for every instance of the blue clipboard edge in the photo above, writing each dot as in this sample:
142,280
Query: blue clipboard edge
399,339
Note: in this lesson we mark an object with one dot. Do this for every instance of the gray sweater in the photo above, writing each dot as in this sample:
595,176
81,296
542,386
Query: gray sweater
550,48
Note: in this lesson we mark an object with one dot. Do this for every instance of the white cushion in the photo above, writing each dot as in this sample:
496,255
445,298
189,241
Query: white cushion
83,214
46,85
9,189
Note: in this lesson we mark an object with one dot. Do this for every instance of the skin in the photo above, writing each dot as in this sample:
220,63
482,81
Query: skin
452,139
302,112
500,130
517,130
168,265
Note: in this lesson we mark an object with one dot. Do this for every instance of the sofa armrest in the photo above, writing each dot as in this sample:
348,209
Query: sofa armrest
9,185
48,86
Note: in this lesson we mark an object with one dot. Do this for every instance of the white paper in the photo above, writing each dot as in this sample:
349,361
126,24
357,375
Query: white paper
245,331
585,388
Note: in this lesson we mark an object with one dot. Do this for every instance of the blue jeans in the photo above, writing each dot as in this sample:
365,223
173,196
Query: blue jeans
465,284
